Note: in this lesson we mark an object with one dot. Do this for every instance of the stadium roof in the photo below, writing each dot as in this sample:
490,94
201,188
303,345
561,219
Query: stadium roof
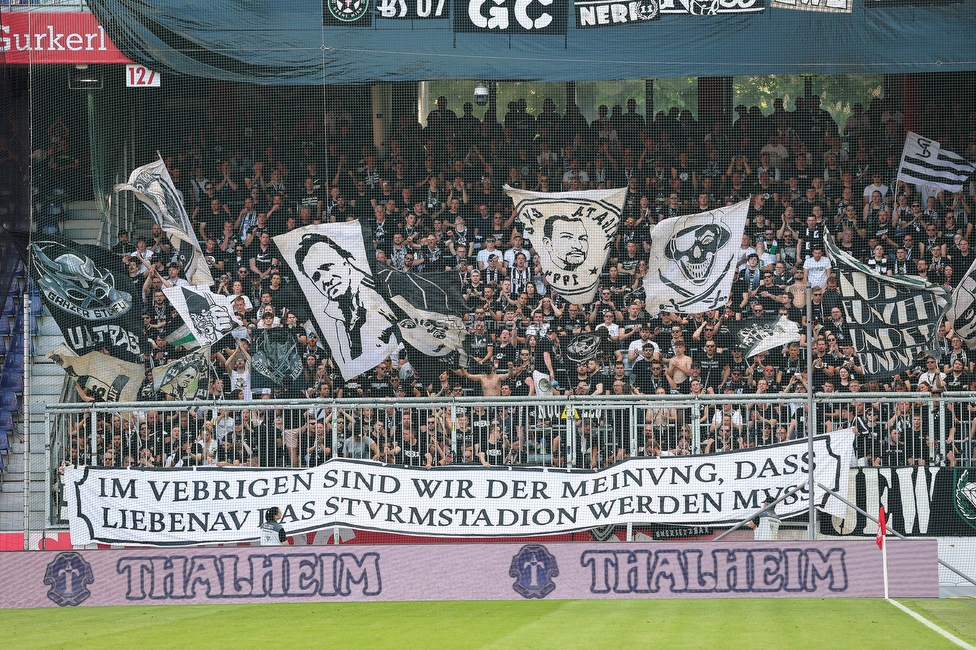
290,42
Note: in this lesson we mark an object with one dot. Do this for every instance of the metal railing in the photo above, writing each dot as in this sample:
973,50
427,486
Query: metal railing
579,432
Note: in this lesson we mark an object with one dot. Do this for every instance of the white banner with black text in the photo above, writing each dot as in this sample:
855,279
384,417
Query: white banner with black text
173,507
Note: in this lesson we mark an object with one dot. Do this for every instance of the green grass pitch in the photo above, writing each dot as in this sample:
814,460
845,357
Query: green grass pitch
712,624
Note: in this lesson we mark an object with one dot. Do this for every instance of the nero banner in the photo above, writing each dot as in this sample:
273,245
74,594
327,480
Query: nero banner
511,16
212,505
599,13
919,502
404,572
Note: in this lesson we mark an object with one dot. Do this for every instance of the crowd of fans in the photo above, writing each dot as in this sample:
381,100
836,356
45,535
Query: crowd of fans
433,202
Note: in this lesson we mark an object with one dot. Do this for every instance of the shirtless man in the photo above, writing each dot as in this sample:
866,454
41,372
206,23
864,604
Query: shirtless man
679,367
798,289
491,381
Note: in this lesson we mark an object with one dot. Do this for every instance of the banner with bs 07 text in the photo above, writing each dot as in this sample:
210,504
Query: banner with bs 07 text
168,507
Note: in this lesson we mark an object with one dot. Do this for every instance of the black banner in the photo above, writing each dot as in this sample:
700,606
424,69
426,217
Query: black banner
767,333
892,320
85,288
346,13
919,502
511,16
275,355
413,9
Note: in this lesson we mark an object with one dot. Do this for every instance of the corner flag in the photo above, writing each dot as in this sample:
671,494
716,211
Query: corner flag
882,528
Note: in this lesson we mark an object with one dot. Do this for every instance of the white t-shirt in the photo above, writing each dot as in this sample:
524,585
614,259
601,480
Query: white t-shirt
869,190
241,381
817,272
637,345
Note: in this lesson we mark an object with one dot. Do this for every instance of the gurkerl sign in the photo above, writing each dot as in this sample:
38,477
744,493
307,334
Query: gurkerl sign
182,507
43,37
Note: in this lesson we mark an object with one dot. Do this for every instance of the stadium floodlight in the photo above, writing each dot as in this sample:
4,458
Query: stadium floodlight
84,79
481,94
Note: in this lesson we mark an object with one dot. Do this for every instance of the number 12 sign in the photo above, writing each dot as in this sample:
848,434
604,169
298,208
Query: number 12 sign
138,76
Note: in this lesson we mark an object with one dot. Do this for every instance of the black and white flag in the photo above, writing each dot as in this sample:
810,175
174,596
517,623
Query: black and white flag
105,378
275,355
692,261
184,379
573,233
585,346
332,268
81,286
962,314
208,316
430,309
925,162
768,333
892,320
153,186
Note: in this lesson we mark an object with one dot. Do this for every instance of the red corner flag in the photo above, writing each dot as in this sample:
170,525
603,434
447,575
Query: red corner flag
882,528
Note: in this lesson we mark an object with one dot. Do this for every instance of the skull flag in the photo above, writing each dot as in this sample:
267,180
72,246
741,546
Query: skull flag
692,260
572,232
84,287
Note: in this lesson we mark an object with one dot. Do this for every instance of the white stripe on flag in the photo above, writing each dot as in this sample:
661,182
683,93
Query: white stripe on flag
925,162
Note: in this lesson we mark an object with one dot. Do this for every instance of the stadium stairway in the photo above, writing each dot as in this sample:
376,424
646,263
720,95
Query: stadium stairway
85,224
47,384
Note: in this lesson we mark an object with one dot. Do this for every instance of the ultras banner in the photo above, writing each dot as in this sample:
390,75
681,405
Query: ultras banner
84,287
219,505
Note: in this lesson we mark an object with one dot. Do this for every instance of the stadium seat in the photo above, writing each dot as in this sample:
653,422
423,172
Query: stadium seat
10,306
21,270
8,400
3,345
12,381
4,441
36,306
15,343
14,291
14,361
4,325
6,421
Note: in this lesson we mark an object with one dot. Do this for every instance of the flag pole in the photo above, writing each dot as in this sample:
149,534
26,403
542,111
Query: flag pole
881,541
884,564
812,515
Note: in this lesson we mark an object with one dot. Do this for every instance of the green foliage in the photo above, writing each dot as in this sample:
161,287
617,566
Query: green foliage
837,93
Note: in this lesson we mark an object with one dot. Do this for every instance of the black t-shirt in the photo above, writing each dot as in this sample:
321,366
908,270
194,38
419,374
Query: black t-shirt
504,354
376,387
711,368
262,258
543,345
